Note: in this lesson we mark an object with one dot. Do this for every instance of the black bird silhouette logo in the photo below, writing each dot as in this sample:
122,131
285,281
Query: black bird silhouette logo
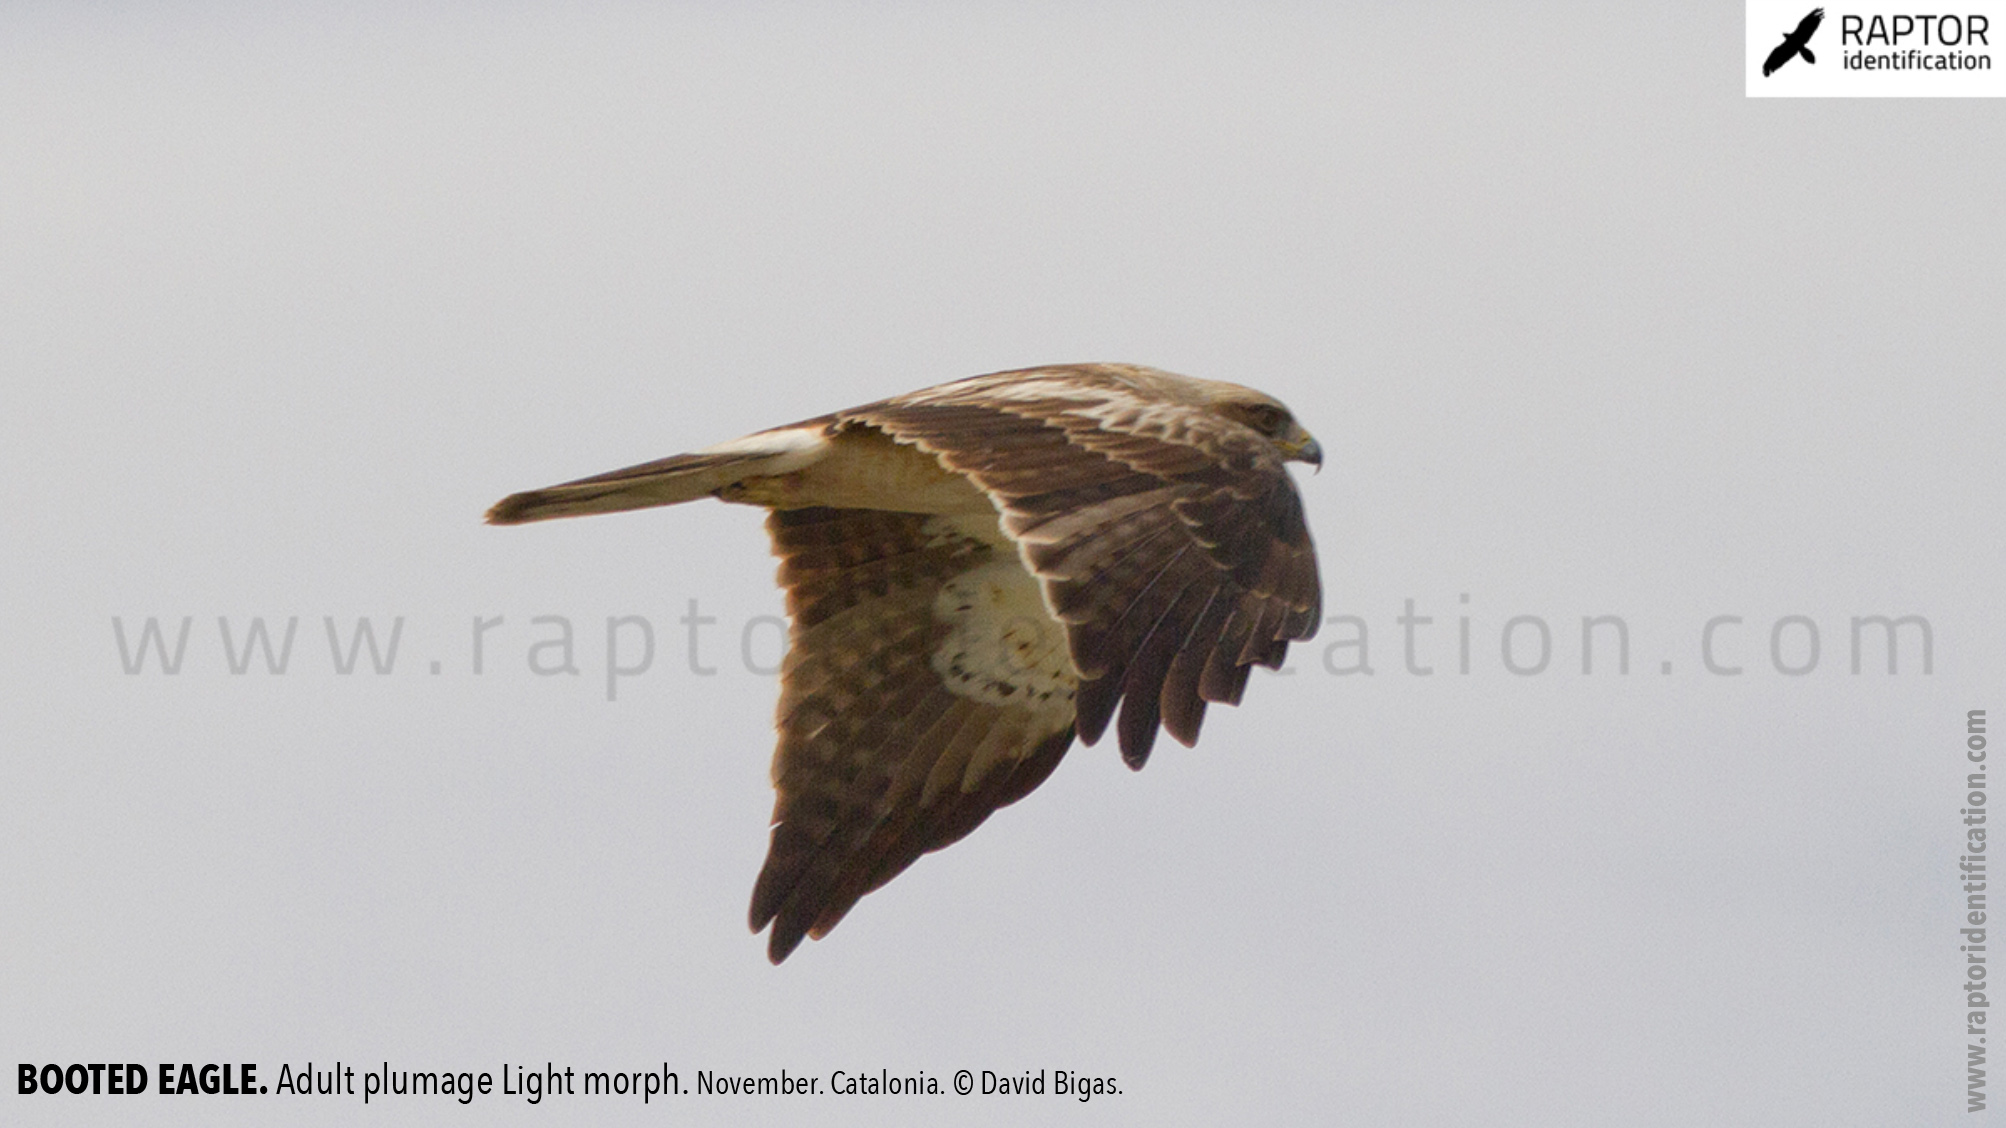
1796,43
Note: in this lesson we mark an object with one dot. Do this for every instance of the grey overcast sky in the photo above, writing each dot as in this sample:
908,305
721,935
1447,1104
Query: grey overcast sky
289,295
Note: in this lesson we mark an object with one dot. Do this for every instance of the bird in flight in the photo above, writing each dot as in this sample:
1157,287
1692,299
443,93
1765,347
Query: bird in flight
1795,43
980,571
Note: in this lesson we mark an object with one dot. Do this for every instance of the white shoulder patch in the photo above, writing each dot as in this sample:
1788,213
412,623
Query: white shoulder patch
791,448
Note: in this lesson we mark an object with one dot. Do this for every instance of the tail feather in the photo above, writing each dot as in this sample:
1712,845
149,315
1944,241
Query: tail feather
667,481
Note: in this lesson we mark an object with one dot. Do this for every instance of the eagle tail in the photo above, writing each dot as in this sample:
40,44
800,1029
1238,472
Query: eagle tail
668,481
1808,56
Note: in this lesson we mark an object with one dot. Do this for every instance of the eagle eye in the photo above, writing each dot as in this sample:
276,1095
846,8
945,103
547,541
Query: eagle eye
1266,418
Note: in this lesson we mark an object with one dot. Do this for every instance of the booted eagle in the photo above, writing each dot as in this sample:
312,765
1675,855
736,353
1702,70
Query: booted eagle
980,571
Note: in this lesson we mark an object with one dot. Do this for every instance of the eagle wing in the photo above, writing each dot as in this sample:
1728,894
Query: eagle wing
919,694
1170,542
1142,553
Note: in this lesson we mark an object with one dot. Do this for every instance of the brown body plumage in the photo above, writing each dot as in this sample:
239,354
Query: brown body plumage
977,572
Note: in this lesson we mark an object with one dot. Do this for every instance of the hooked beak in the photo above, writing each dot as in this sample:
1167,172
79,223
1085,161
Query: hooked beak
1304,449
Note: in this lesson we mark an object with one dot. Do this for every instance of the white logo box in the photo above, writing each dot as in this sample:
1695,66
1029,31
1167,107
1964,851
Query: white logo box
1883,49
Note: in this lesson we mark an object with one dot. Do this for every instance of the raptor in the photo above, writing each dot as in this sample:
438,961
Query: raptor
980,572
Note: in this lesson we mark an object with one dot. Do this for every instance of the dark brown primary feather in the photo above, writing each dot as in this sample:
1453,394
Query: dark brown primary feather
1170,541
